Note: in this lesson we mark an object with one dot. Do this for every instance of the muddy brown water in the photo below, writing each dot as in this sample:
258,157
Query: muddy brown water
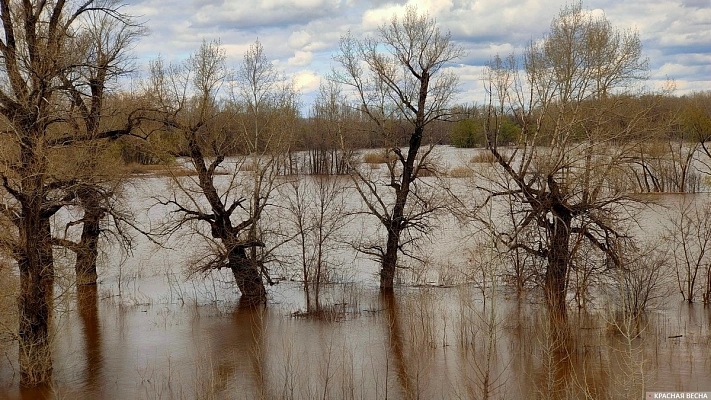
147,332
429,343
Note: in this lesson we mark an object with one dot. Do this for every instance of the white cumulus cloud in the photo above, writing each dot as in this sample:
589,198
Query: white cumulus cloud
301,59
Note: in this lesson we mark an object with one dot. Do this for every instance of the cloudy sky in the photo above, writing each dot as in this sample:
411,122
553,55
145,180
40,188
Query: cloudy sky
301,36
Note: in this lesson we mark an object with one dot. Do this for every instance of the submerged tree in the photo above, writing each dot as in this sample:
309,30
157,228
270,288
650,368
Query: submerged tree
573,99
402,91
37,55
232,208
102,50
188,96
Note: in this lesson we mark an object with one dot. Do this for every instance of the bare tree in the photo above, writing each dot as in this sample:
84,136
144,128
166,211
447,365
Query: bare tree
669,162
268,100
103,47
38,52
572,99
188,96
232,208
696,123
268,104
402,91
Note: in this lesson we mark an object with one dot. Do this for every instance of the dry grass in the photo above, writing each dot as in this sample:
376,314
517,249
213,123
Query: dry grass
655,148
377,157
460,172
483,157
328,313
156,169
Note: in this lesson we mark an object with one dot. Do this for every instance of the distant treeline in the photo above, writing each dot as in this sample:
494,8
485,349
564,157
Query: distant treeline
328,133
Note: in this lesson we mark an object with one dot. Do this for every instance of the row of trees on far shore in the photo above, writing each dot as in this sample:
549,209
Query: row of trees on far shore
569,137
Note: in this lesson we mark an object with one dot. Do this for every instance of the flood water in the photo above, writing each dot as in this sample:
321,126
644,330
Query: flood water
149,332
429,343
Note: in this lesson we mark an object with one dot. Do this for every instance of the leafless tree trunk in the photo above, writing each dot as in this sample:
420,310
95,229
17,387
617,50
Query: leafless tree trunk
35,300
406,84
102,49
87,250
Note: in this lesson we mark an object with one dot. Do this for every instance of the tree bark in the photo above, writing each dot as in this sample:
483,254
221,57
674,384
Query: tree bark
395,227
248,276
35,301
558,260
387,270
88,250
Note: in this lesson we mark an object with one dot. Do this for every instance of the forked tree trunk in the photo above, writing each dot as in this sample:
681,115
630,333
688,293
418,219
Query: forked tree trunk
35,301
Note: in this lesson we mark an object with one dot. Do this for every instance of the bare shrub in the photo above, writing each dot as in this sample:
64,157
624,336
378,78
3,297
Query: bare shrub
247,167
426,171
689,237
480,333
316,211
626,329
643,277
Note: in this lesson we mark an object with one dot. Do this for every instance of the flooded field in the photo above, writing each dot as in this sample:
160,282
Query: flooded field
453,329
430,343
